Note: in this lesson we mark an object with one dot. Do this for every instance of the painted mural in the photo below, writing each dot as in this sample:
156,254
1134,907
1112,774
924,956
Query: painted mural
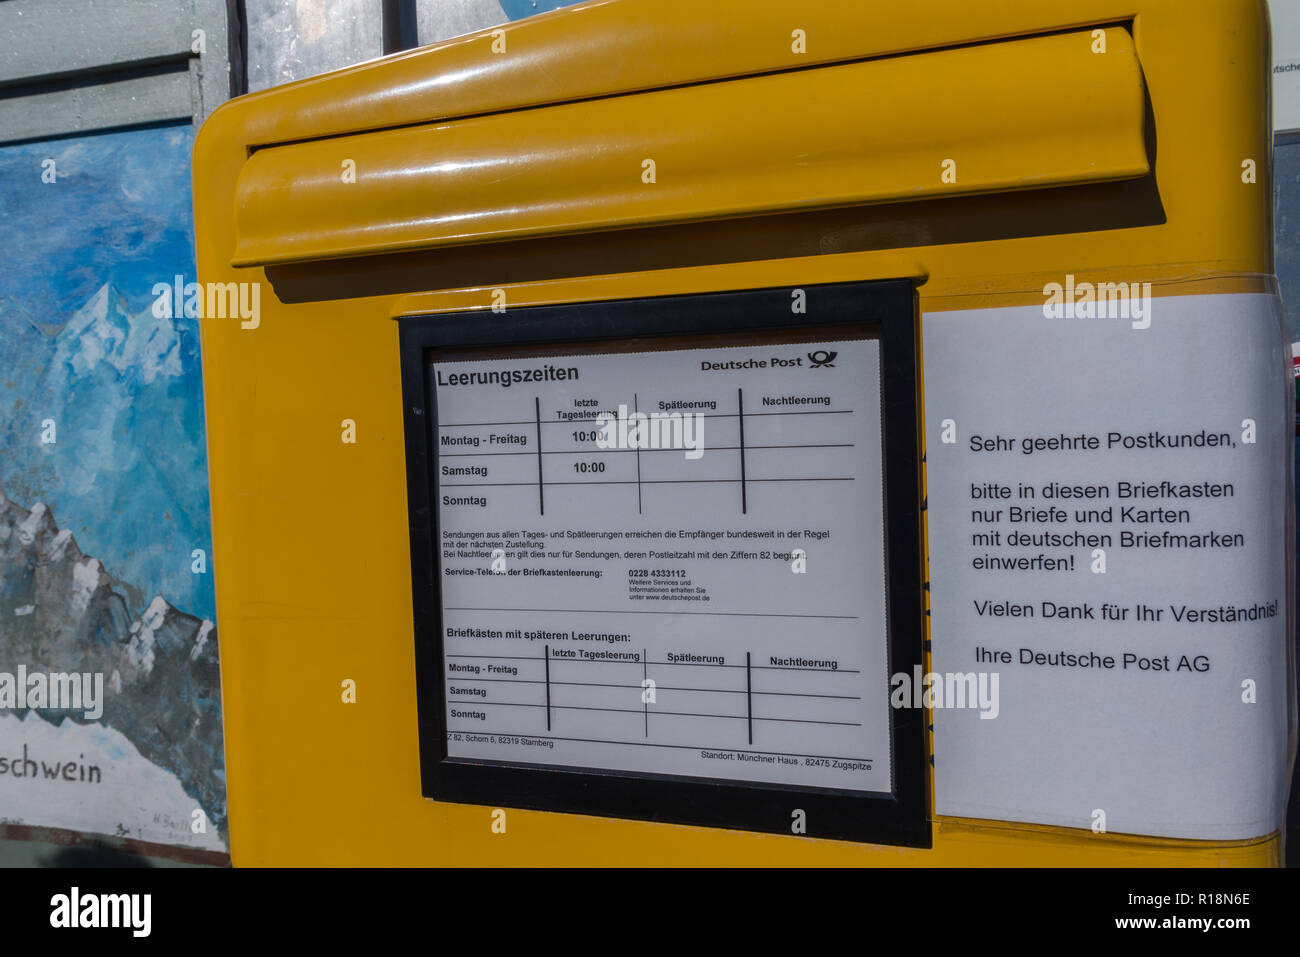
105,533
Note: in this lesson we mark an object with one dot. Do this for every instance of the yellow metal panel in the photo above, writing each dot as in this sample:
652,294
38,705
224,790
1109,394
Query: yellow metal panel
310,535
860,133
629,45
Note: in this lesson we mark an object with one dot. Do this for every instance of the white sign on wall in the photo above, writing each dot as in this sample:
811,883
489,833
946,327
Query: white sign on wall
1285,15
1108,531
621,538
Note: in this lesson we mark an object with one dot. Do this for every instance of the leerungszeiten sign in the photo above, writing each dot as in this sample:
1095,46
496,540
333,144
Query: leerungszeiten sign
625,543
663,559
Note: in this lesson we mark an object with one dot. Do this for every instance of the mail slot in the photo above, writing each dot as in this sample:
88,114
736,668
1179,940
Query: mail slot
866,428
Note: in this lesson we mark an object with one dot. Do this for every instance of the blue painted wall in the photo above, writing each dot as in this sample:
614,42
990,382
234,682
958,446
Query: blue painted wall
102,435
518,9
128,470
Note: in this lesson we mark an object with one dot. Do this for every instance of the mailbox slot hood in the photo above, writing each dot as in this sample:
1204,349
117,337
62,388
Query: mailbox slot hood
1020,114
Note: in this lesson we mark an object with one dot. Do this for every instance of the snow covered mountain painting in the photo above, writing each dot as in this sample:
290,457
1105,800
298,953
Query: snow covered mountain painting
105,533
61,612
124,392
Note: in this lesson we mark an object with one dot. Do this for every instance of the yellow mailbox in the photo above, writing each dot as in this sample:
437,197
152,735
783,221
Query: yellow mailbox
848,434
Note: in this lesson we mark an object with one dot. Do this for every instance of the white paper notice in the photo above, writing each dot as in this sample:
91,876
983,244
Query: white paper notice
1285,16
699,592
1108,513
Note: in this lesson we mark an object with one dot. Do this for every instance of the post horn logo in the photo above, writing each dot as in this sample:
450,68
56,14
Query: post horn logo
821,359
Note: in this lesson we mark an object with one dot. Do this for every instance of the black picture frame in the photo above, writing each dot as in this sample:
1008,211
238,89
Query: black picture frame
889,307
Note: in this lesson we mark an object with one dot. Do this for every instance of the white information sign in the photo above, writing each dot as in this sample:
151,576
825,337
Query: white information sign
668,562
1108,516
1285,16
